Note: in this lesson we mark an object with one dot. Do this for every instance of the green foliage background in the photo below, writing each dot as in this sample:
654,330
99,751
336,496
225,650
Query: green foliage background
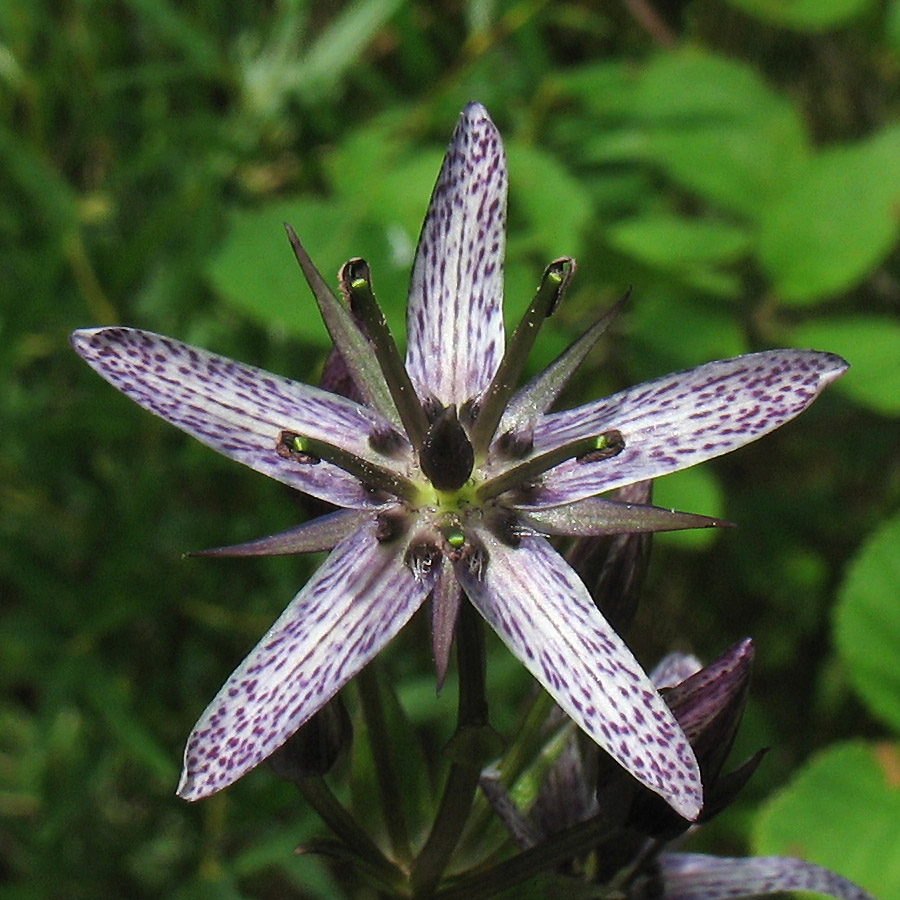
737,162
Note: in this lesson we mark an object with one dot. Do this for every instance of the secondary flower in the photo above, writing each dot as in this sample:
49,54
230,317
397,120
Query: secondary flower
707,702
449,481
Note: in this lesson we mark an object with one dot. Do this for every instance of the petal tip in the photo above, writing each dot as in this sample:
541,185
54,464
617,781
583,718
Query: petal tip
475,110
833,367
187,788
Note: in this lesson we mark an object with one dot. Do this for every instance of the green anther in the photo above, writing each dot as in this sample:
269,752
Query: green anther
455,538
300,444
602,442
553,284
356,285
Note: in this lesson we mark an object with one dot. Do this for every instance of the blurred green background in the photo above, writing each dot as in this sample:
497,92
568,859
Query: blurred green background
737,163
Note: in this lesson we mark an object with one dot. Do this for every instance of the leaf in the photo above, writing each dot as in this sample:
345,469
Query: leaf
553,201
672,241
682,331
871,344
339,46
867,622
841,811
714,126
804,15
691,490
255,270
835,222
694,250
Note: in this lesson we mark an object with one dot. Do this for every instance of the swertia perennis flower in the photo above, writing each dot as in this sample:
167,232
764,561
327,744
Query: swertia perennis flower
449,481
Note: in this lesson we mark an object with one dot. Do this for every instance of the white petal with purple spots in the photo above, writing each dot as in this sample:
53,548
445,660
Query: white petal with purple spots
454,318
543,612
695,876
682,419
355,603
236,409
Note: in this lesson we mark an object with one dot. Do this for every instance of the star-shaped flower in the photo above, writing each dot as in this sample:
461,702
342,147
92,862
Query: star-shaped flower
448,481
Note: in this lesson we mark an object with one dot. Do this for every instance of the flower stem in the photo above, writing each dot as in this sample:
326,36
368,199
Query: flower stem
386,773
318,794
563,845
465,749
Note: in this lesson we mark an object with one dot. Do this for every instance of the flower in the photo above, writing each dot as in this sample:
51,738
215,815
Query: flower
449,480
708,703
696,876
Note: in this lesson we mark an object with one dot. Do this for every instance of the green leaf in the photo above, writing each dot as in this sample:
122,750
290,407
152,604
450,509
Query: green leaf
552,200
841,811
681,330
676,242
804,15
715,127
256,272
691,490
867,622
871,344
836,222
693,250
339,46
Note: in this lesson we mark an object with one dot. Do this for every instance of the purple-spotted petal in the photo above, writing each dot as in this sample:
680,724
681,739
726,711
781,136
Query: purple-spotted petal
675,668
537,604
354,604
454,318
695,876
236,409
683,419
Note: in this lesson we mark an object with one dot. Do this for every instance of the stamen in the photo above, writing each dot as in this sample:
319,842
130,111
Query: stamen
293,446
538,395
347,336
454,536
554,282
607,444
356,284
309,450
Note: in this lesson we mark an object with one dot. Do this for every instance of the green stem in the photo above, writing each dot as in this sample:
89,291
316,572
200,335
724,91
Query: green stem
380,743
519,754
318,794
563,845
462,780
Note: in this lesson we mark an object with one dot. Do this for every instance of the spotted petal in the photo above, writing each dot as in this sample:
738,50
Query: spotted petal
683,419
454,314
694,876
354,604
540,608
236,409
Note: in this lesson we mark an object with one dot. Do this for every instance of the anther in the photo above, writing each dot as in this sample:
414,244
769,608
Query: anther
608,444
294,446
